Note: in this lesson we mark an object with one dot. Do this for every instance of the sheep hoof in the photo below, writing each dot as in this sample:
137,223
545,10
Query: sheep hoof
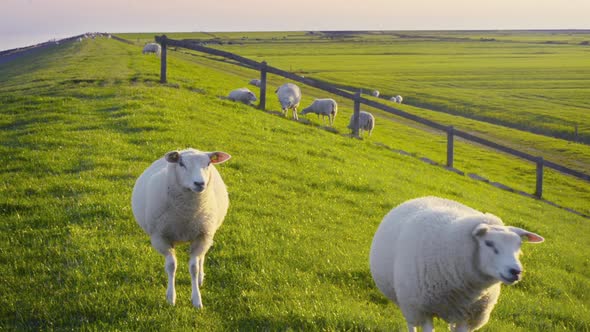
171,298
197,304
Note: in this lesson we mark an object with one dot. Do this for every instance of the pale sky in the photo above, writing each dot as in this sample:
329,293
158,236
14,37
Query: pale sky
24,22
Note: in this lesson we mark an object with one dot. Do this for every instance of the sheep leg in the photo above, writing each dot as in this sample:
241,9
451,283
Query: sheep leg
165,248
427,326
295,114
193,266
201,270
412,328
460,327
196,264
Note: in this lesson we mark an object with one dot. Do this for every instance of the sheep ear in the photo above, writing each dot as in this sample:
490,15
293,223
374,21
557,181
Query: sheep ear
480,230
530,236
218,157
172,157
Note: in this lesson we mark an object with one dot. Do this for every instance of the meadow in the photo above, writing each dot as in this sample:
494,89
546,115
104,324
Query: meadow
533,81
81,121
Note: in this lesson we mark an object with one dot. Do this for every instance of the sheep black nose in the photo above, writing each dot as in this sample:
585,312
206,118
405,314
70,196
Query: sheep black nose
515,272
199,184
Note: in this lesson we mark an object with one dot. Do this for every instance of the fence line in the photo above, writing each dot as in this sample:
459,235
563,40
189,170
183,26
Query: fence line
358,100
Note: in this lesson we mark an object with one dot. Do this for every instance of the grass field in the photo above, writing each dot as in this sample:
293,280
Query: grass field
534,81
80,122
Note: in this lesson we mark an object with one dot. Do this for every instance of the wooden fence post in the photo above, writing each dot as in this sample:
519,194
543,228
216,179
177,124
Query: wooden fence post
450,146
163,59
356,118
262,104
539,191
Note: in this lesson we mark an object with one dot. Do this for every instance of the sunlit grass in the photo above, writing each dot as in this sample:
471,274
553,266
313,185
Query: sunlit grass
81,122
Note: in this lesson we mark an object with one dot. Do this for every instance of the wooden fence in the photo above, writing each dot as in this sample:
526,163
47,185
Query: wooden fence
264,68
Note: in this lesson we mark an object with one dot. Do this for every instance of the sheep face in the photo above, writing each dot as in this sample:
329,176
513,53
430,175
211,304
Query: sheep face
251,97
192,168
499,251
306,110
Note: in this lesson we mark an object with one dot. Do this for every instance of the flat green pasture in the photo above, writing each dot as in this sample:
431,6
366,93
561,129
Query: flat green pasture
536,87
422,142
536,81
81,121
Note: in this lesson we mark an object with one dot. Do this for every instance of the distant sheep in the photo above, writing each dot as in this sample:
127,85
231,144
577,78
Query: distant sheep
152,48
399,99
325,107
289,96
255,82
182,198
436,257
367,122
242,95
375,93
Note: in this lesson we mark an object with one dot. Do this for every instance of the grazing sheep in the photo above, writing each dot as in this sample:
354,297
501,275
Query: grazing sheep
152,48
182,198
399,99
326,107
242,95
436,257
367,122
255,82
393,99
289,96
375,93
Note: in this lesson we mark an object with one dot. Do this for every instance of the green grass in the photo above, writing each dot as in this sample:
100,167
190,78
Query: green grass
80,122
530,80
518,174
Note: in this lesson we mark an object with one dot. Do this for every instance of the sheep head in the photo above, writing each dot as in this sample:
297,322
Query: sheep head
499,250
192,167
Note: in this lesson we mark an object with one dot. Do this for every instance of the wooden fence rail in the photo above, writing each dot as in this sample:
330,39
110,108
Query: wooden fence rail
264,69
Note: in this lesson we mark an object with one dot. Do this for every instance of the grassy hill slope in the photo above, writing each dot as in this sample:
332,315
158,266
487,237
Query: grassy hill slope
81,122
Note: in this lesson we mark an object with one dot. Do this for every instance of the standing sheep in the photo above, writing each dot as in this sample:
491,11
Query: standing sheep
243,95
367,122
255,82
375,93
289,96
182,198
326,107
436,257
152,48
399,99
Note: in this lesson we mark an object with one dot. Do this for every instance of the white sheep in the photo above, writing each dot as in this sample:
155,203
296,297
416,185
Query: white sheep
255,82
325,107
182,198
367,122
393,99
436,257
375,93
289,96
399,99
243,95
152,48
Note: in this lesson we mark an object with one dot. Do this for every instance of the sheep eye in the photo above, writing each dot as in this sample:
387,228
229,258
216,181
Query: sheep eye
491,245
